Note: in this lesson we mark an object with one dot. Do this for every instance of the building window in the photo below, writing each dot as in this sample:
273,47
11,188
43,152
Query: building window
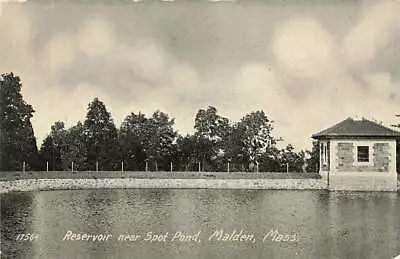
324,151
363,154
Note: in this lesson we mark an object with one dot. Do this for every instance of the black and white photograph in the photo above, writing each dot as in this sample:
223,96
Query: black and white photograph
200,129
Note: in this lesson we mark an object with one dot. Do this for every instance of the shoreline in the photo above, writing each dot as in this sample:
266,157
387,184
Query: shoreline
62,180
26,185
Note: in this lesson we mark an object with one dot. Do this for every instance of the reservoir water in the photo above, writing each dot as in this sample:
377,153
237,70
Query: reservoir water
199,223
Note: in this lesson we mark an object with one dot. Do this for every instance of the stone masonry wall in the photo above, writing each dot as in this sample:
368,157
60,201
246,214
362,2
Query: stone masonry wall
346,158
351,182
70,184
381,157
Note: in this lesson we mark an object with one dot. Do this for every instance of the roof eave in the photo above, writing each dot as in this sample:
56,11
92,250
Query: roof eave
355,136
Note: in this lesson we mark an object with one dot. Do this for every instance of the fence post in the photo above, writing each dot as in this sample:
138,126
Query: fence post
23,166
228,167
257,166
171,166
328,179
122,166
72,166
97,166
287,167
147,166
47,166
156,166
199,166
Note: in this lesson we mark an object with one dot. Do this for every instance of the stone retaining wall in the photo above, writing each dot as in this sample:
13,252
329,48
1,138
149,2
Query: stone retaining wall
360,181
69,184
10,176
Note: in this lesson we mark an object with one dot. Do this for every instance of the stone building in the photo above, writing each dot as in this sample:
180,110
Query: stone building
358,155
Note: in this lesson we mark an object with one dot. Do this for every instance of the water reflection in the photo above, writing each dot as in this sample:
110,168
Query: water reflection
364,225
328,225
16,211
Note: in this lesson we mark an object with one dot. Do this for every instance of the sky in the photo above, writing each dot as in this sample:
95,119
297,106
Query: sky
308,64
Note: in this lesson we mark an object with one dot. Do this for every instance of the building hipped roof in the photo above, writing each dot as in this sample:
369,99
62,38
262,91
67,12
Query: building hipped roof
357,128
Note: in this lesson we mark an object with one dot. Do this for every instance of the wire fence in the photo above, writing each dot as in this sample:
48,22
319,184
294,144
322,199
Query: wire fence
8,176
153,170
150,166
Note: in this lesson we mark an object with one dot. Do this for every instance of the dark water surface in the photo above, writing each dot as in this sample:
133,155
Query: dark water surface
314,224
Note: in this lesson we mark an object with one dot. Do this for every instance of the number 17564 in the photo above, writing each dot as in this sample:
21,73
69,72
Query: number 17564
27,237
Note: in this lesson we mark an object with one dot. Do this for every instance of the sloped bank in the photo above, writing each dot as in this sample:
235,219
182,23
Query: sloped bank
177,183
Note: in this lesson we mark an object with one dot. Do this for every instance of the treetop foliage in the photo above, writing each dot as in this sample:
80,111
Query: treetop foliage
142,142
17,140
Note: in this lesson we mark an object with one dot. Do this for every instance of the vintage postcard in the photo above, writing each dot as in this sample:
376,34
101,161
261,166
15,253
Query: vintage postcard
199,129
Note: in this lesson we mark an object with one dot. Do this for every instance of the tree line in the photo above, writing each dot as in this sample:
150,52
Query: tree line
141,142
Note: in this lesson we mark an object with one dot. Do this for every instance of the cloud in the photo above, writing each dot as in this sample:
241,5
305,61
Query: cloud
96,37
8,1
373,32
60,52
327,81
303,48
256,85
146,59
184,77
316,76
16,48
139,75
16,28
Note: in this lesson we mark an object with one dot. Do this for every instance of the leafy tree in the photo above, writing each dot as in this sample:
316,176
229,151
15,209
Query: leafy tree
313,158
397,147
210,125
291,160
235,154
161,141
211,135
150,139
270,161
255,138
186,156
398,156
192,150
74,149
47,153
52,147
131,139
101,138
17,140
